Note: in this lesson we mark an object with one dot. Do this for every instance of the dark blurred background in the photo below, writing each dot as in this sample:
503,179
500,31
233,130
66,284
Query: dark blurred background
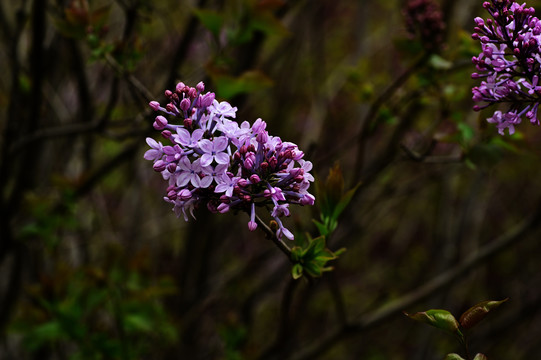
94,264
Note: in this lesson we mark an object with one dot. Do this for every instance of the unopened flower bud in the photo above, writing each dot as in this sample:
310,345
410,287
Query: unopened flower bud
207,99
223,208
159,165
185,104
252,225
180,86
168,93
200,86
254,179
160,123
154,105
166,134
172,194
184,194
171,167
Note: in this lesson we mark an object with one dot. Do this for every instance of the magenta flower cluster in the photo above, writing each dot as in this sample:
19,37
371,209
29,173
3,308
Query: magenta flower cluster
213,161
509,64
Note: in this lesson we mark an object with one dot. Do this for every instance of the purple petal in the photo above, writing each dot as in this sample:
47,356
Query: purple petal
206,146
220,143
206,160
183,179
197,134
205,182
183,137
222,158
152,154
152,143
195,180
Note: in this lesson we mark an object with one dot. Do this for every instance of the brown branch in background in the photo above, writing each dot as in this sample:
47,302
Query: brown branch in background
280,345
132,80
368,119
182,48
438,283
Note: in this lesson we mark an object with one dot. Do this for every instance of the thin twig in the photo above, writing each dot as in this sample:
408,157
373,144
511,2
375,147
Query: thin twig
374,108
138,85
272,236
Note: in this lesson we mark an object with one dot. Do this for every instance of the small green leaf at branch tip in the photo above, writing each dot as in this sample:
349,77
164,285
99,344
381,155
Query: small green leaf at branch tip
478,312
312,260
439,63
296,271
442,319
210,19
453,357
480,357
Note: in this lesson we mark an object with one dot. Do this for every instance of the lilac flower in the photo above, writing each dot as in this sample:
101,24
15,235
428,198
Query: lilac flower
189,173
216,163
509,63
184,137
223,109
213,174
213,150
227,184
156,152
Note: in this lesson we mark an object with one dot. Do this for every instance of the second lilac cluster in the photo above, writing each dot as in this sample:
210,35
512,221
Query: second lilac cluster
213,161
509,64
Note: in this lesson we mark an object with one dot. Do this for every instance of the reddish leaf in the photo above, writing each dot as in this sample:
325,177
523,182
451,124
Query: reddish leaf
478,312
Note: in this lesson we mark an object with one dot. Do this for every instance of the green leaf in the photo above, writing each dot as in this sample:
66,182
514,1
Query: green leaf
228,86
466,132
138,322
442,319
439,63
312,259
480,357
210,19
296,271
267,23
453,357
44,333
478,312
323,230
344,201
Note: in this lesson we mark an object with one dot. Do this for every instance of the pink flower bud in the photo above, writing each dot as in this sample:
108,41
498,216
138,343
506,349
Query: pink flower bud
154,105
159,166
223,208
254,179
171,167
166,134
180,87
184,194
185,104
160,123
252,225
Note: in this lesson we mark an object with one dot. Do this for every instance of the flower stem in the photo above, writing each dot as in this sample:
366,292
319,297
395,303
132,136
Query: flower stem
272,236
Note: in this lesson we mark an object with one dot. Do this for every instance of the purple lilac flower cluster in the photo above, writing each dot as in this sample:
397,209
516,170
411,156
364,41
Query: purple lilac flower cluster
424,21
509,64
215,162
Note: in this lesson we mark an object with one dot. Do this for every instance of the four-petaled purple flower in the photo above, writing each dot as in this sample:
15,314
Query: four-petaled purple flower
213,150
